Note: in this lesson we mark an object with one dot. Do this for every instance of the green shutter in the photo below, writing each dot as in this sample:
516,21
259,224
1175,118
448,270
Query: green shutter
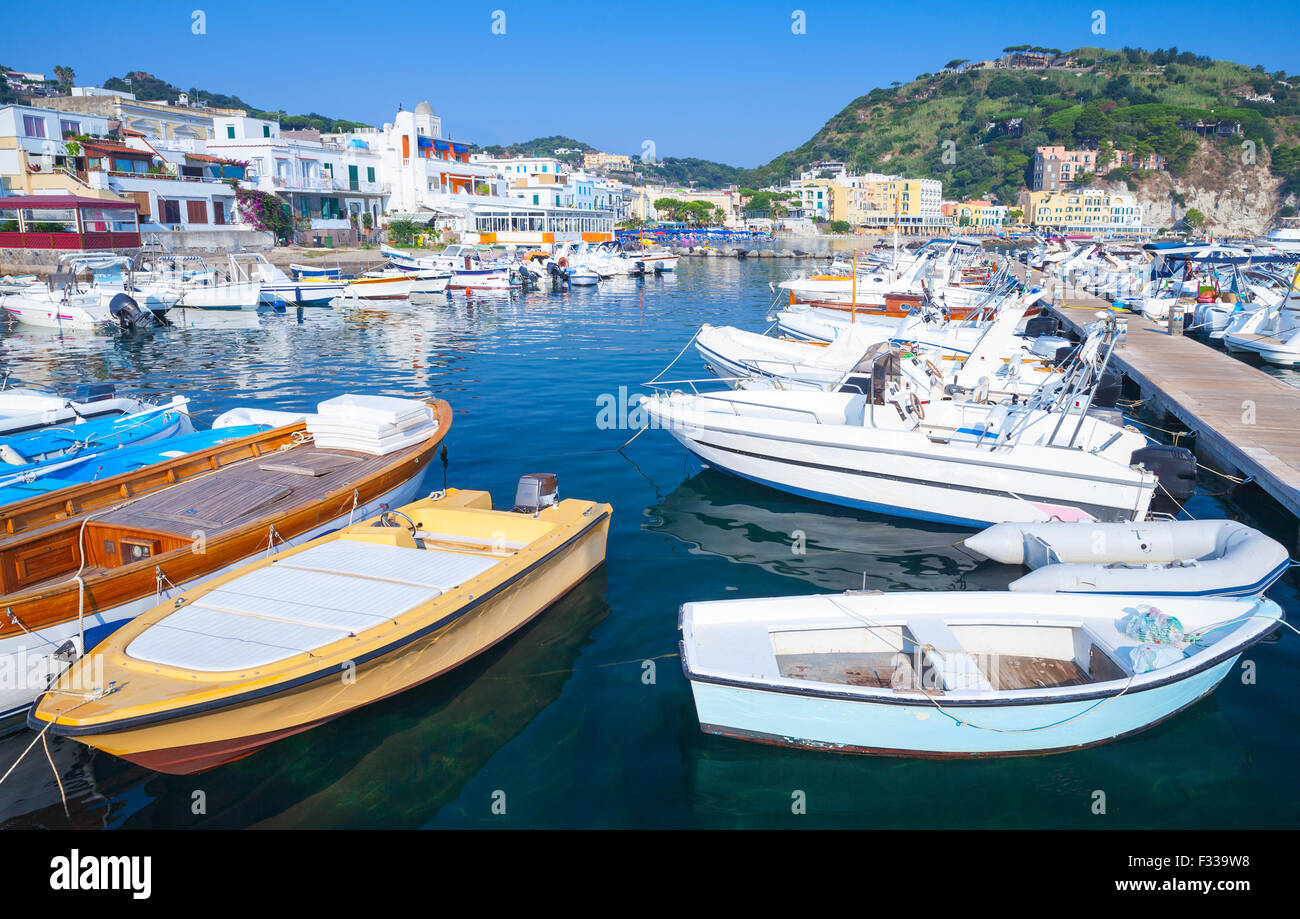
230,132
353,184
370,173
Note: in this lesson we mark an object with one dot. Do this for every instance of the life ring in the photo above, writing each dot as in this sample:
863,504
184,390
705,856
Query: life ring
914,403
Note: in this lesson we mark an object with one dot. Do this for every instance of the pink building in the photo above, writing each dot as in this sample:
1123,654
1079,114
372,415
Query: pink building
1056,167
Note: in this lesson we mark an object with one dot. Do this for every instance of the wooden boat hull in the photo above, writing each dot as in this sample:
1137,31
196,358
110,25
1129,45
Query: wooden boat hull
263,711
894,307
54,610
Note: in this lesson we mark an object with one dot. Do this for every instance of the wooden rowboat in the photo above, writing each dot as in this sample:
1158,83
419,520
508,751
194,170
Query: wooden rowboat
76,564
286,643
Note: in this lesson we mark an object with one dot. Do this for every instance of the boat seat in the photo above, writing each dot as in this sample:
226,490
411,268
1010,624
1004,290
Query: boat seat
308,600
958,670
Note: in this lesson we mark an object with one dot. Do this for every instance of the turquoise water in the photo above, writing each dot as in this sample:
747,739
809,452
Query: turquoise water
564,720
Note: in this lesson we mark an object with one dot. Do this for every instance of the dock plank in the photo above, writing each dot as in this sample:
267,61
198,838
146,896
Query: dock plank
1244,419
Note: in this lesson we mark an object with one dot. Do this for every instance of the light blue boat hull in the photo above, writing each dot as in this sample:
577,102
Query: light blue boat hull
922,729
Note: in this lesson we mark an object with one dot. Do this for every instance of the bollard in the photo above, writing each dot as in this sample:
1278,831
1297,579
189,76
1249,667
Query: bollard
1176,319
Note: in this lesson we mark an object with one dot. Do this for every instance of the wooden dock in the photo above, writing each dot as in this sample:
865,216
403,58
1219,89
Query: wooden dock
1246,422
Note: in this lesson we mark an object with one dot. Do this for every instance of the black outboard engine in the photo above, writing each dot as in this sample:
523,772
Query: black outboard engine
1175,470
129,316
1042,324
1106,393
559,277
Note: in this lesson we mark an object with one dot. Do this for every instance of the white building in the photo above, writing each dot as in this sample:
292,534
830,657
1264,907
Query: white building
432,178
329,183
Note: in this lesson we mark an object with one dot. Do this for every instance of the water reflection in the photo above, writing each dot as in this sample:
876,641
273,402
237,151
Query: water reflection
828,547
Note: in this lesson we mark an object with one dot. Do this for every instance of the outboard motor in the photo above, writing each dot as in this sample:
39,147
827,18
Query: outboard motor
536,491
129,316
94,392
1175,470
559,276
1042,324
1106,393
639,267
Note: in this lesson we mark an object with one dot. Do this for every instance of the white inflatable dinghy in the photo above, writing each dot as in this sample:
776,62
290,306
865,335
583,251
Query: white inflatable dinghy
1186,558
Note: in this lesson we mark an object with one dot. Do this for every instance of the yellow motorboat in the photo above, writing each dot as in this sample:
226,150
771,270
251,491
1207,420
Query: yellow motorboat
280,645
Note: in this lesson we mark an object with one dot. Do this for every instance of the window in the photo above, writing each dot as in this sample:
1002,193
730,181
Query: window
230,132
169,211
33,126
370,173
196,211
69,128
266,130
218,213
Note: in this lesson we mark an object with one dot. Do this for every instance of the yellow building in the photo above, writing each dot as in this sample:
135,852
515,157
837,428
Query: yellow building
825,198
1085,209
605,161
879,201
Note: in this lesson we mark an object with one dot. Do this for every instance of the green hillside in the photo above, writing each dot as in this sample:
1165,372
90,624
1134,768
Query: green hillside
150,88
960,126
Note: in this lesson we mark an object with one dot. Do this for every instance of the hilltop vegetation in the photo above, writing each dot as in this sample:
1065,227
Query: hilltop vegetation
150,88
541,146
977,129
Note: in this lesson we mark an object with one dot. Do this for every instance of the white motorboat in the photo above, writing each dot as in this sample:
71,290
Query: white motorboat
1272,332
397,287
963,674
1003,363
309,287
423,280
890,450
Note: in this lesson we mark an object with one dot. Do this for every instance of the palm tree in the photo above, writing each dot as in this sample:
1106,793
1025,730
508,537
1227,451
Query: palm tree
65,76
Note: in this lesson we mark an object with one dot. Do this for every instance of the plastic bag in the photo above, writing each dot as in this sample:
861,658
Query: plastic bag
1151,656
1151,625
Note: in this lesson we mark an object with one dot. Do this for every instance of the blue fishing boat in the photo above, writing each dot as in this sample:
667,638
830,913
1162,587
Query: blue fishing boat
99,466
962,674
35,453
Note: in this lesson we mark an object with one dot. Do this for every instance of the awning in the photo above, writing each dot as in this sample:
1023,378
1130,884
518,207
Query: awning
423,141
49,202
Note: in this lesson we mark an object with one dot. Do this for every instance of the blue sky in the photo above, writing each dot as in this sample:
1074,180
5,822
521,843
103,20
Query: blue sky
725,81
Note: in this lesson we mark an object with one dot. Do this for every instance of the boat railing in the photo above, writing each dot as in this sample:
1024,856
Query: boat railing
762,405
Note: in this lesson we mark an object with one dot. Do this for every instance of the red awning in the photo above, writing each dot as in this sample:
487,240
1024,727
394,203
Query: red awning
45,202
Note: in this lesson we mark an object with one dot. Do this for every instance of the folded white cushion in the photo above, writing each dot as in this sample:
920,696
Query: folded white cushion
385,409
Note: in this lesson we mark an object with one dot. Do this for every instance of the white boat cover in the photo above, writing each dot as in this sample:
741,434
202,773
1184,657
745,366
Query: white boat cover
301,603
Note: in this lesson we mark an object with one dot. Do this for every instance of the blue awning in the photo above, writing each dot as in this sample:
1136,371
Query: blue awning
358,142
424,141
441,145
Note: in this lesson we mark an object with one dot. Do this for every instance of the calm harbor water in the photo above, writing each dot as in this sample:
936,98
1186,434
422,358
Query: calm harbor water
564,719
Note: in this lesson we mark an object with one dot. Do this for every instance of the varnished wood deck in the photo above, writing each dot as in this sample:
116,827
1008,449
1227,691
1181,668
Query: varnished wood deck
1246,421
